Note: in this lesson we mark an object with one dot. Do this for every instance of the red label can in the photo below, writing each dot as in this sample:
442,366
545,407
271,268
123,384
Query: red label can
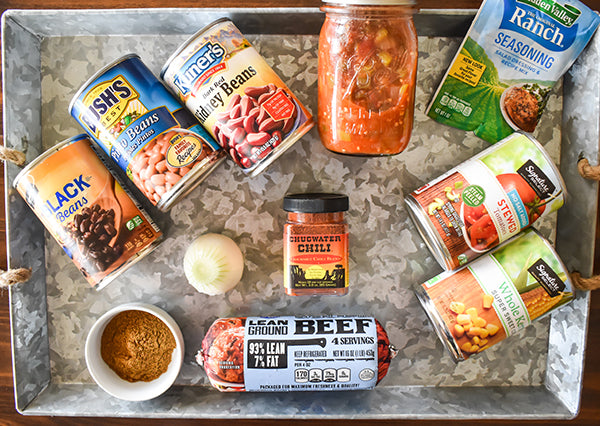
486,200
236,95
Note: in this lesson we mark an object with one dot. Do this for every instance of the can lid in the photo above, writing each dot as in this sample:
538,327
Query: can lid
373,2
50,151
187,42
315,203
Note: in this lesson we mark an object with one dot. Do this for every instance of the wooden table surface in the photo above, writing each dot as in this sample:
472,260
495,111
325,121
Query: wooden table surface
590,402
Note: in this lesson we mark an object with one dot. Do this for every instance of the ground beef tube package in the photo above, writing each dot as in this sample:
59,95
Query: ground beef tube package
513,54
271,354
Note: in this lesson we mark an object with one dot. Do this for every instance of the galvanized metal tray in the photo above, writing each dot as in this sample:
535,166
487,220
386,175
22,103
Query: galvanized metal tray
47,55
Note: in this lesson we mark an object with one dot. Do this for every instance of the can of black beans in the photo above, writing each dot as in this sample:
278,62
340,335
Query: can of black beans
99,225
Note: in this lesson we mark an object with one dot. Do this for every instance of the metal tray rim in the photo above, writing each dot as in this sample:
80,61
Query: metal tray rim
31,407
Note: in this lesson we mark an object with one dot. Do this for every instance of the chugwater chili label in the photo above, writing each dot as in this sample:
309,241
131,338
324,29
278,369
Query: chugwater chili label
497,295
486,200
316,261
293,354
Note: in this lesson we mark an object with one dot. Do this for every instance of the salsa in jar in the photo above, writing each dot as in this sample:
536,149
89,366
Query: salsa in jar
367,75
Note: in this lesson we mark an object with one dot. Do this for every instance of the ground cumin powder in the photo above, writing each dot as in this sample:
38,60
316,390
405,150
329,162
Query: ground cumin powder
137,346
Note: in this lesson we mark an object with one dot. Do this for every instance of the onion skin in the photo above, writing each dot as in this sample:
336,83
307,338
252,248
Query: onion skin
213,264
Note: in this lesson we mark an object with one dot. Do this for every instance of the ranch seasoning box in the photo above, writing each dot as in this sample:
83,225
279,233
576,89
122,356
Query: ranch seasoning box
513,54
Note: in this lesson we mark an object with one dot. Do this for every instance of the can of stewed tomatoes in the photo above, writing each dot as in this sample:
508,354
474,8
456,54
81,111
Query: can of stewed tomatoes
236,95
486,200
144,129
497,295
97,223
367,76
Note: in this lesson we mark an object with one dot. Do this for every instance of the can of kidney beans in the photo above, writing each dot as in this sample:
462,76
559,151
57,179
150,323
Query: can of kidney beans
486,200
236,95
100,227
145,130
497,295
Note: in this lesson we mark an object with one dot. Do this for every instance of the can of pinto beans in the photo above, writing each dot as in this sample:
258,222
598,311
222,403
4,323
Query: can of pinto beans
100,227
236,95
486,200
497,295
146,131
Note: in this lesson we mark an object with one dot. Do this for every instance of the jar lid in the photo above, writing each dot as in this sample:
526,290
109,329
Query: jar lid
373,2
315,203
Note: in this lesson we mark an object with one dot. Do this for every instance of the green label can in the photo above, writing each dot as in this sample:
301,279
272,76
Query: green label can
497,295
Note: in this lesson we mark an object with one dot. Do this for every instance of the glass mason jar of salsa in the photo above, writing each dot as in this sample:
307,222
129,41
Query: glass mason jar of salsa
367,75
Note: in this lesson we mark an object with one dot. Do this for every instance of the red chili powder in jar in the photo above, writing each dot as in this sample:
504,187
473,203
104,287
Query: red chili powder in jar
315,248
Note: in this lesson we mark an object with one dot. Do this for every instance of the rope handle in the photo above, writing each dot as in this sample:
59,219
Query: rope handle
14,276
12,155
18,275
586,170
585,284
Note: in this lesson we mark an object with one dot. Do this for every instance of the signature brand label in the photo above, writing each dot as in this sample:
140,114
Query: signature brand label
539,182
547,278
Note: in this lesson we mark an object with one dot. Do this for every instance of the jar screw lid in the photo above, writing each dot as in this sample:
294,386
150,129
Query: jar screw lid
315,202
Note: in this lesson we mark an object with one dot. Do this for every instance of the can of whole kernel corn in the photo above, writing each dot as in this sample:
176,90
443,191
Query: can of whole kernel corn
236,95
486,200
144,129
496,295
97,223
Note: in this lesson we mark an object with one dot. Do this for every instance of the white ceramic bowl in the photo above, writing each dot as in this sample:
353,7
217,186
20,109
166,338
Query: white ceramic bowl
108,380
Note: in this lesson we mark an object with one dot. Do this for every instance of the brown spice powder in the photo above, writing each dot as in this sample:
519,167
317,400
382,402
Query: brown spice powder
137,346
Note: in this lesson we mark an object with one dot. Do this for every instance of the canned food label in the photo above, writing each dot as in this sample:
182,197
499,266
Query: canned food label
90,215
535,177
183,150
236,95
507,303
490,198
499,294
134,138
143,128
279,107
316,261
545,275
291,353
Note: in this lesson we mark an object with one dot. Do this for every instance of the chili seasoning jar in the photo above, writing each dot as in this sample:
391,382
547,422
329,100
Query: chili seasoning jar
315,247
367,76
